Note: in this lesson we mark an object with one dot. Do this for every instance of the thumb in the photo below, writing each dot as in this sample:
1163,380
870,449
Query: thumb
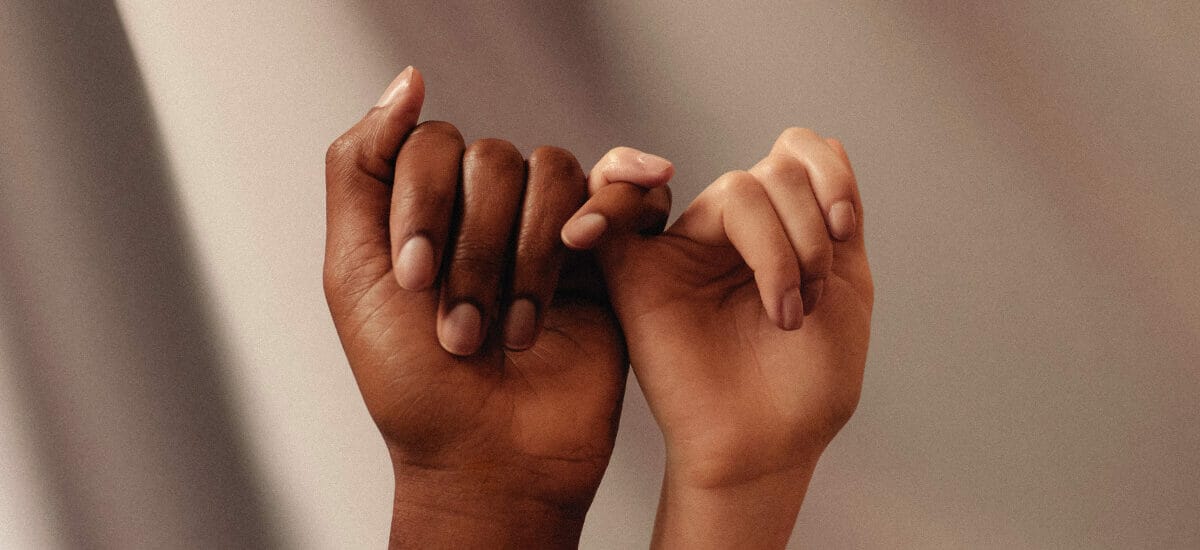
358,172
371,145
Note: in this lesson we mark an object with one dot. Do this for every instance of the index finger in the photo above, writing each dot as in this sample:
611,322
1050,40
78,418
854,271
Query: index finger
833,183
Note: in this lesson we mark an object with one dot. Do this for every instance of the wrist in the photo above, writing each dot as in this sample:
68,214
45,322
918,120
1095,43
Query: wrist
742,511
469,509
724,459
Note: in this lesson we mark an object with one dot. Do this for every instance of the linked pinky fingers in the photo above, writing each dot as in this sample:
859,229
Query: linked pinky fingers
618,208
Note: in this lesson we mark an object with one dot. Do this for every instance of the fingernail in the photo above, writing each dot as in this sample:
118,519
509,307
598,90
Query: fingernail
414,264
460,330
398,85
520,325
791,310
585,230
811,292
653,163
841,220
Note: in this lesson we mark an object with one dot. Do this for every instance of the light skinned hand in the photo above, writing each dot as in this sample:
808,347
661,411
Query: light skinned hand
747,326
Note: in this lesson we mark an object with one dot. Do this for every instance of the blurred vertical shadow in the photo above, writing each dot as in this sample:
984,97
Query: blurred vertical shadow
117,359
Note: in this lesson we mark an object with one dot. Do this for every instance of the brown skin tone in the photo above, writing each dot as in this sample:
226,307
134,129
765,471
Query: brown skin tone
493,445
747,325
747,401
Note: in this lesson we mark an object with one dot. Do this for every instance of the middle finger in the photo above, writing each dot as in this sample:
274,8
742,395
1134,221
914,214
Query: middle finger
493,180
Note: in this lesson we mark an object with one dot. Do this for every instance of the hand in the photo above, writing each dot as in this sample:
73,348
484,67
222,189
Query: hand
747,390
499,431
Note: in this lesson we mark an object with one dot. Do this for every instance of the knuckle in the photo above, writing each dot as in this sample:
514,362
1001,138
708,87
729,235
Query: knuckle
343,149
614,155
555,158
618,157
736,184
781,169
490,149
437,128
558,162
551,153
493,169
796,134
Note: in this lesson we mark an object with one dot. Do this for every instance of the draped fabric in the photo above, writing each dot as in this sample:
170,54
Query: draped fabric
169,376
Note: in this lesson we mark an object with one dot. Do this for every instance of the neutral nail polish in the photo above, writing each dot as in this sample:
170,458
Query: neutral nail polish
397,87
811,293
584,231
653,163
520,325
414,264
841,220
460,332
791,310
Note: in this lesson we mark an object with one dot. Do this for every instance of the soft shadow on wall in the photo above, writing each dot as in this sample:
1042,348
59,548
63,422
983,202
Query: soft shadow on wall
116,358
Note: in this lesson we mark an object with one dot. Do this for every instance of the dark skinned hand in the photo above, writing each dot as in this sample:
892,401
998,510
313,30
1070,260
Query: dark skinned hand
486,354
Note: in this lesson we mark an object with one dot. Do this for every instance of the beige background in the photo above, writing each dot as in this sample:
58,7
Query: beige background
169,375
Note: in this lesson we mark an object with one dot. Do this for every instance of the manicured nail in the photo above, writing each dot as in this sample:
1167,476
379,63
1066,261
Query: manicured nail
653,163
414,264
791,310
396,88
585,230
520,325
460,331
811,292
841,220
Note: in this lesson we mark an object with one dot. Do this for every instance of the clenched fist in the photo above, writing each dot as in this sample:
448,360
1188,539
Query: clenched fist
747,323
485,352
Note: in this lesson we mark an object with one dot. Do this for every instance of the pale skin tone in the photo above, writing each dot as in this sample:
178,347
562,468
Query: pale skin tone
500,416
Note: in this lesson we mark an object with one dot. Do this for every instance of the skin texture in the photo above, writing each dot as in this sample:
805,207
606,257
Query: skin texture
747,392
492,361
491,445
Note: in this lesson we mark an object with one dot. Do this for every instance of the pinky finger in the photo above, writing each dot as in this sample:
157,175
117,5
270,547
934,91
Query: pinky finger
617,209
626,164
